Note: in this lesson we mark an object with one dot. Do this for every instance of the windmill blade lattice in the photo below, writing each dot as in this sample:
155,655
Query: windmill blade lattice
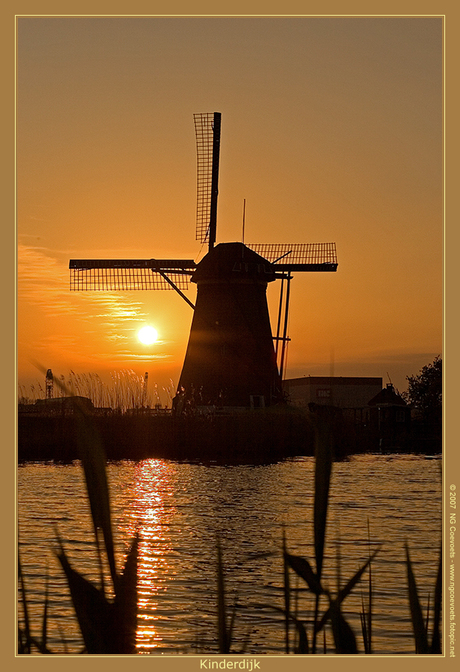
298,256
207,131
129,274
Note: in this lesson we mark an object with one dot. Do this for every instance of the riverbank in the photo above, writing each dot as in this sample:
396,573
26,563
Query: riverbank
258,436
245,437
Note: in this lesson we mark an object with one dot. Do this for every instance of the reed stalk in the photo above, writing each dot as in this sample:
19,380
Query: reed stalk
125,392
419,624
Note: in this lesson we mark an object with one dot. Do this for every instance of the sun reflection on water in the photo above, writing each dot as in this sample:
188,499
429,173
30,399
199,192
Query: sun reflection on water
151,511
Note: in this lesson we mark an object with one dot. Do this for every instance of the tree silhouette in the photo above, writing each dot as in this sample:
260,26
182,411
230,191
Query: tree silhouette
425,394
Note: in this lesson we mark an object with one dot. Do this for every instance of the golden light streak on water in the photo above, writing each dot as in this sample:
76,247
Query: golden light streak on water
151,512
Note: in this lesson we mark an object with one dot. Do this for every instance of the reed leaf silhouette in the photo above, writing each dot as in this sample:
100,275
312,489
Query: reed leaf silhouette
366,617
324,455
346,590
436,637
225,624
344,637
223,635
302,646
287,593
107,627
419,628
25,638
323,469
302,567
420,635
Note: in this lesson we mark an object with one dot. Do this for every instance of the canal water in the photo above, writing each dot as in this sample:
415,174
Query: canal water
180,509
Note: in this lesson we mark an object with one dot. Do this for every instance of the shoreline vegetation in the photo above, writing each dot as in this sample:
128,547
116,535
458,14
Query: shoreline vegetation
259,435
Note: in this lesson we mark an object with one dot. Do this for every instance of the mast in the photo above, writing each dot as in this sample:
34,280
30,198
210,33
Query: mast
214,179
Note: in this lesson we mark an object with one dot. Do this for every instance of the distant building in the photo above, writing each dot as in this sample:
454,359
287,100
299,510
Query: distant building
342,392
381,417
58,406
390,417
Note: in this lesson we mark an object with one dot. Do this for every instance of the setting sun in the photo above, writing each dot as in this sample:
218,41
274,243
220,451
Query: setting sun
147,335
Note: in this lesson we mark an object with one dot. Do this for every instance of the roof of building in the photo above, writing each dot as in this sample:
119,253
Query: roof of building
387,397
333,380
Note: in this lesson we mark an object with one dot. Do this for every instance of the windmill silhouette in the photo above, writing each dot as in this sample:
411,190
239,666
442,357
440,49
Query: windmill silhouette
232,358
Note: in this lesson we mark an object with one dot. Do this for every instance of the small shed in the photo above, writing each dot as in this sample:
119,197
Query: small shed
390,417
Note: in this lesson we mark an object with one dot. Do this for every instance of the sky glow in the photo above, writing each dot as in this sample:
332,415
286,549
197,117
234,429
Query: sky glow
331,131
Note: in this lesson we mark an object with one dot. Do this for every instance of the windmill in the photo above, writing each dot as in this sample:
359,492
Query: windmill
232,358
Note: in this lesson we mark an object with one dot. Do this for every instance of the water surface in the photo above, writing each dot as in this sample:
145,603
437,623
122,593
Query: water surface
181,508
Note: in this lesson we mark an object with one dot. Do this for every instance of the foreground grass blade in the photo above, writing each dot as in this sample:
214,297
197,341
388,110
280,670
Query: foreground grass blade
106,627
369,612
125,605
421,640
303,639
302,646
222,633
287,594
45,612
362,617
91,608
366,621
366,618
301,631
302,567
346,590
344,638
24,636
427,619
323,468
436,639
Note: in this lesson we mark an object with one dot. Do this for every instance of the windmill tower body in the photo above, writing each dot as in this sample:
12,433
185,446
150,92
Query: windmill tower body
230,358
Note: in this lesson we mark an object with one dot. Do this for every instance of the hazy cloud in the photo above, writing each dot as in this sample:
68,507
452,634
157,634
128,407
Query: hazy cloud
43,284
43,281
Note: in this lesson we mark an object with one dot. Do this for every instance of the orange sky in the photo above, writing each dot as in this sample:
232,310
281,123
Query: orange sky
331,131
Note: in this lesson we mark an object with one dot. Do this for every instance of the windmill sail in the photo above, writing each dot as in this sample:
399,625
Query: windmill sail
299,256
129,274
207,131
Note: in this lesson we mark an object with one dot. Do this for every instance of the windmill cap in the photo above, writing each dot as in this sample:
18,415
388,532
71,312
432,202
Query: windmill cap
233,262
